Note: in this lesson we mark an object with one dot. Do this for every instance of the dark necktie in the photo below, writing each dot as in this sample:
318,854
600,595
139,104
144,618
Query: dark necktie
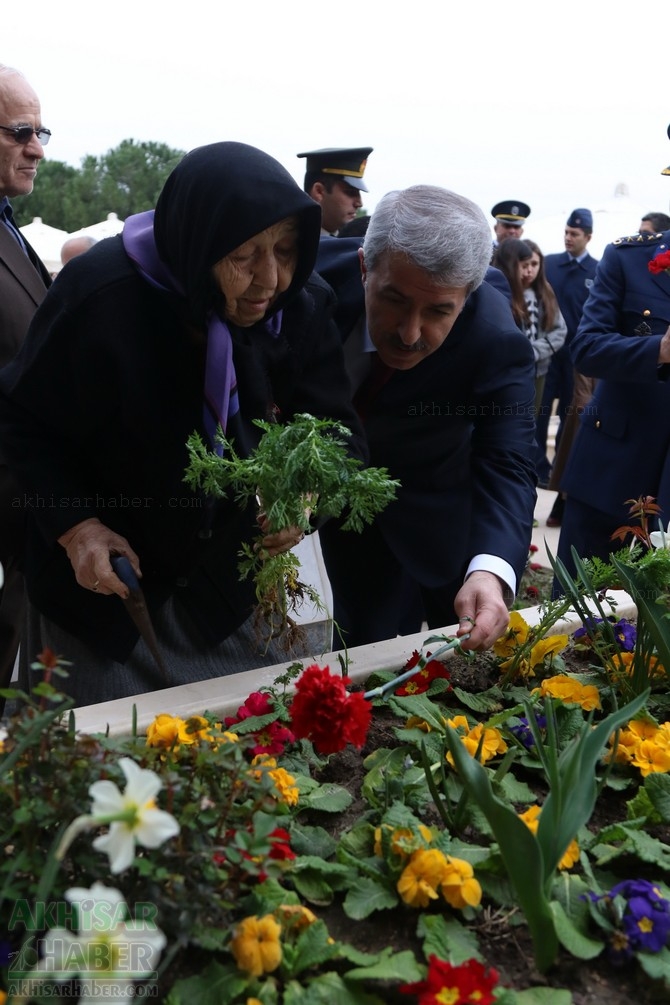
379,374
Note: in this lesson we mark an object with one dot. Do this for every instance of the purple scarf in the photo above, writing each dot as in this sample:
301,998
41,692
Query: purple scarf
220,392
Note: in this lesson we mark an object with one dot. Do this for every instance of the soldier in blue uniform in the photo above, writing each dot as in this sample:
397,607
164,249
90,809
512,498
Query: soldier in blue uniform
622,448
570,274
334,179
510,216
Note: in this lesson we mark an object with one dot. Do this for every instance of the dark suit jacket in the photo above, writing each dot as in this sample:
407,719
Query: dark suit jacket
622,448
457,430
23,284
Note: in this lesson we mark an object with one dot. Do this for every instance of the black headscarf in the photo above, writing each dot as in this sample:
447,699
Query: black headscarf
218,197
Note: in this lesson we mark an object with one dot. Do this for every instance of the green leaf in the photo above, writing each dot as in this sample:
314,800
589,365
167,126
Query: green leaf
313,887
572,796
328,798
367,897
316,879
448,939
649,611
515,790
389,967
543,996
326,989
217,985
657,787
419,705
656,965
486,702
572,938
312,948
519,850
306,840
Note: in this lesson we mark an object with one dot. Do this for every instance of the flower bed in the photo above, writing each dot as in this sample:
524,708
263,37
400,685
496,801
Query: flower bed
306,841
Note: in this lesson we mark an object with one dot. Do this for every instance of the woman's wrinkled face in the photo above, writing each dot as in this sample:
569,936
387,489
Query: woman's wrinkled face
252,276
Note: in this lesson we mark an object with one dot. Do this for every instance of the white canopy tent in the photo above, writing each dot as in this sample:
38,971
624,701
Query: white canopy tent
108,227
47,242
616,217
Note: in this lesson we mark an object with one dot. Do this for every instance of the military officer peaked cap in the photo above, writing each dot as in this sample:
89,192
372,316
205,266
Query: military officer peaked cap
511,212
343,162
580,218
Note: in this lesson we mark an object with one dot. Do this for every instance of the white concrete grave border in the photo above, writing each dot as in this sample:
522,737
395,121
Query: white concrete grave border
224,695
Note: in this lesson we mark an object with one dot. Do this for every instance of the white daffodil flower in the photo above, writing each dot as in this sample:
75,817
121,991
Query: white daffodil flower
660,538
109,952
132,814
132,817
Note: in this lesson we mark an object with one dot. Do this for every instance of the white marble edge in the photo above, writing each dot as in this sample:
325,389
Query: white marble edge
223,695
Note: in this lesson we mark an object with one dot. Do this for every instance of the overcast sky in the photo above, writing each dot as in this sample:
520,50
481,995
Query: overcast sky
554,104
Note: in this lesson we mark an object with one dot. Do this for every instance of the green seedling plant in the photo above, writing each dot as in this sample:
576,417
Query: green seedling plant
299,472
531,861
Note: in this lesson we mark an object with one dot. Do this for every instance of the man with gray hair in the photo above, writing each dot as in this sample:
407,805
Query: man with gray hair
444,383
23,284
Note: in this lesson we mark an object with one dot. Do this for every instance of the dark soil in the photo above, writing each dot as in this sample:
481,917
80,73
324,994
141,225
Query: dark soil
503,937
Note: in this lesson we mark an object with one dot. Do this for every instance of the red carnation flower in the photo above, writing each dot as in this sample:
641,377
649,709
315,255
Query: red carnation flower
325,713
661,263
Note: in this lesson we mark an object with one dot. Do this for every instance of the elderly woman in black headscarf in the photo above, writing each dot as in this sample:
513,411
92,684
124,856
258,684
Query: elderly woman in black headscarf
204,311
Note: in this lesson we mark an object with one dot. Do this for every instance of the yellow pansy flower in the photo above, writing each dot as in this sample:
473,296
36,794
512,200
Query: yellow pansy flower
256,945
515,636
164,731
459,887
570,691
289,792
650,757
422,877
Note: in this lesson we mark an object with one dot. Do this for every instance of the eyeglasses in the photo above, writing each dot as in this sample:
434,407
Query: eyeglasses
24,134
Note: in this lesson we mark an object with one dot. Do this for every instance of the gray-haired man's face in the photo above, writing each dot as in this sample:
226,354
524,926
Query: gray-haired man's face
408,315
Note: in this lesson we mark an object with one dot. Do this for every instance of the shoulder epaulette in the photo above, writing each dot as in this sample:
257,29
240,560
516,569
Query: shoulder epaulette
638,239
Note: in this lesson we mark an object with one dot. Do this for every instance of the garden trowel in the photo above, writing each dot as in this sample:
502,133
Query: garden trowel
137,608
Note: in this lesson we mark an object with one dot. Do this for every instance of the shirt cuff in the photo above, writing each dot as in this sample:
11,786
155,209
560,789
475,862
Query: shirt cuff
500,568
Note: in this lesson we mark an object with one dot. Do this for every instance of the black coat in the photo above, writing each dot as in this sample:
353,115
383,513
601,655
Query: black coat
95,414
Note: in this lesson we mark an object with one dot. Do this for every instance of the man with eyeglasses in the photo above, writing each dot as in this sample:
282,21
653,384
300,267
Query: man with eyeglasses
23,284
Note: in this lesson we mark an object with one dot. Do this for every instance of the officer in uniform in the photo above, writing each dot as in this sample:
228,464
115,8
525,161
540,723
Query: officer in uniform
334,179
509,217
570,274
621,450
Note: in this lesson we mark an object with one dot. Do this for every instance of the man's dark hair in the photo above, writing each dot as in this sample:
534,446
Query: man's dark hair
659,221
328,180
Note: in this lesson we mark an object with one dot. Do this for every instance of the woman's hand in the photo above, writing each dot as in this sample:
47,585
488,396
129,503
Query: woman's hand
88,545
482,610
283,540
